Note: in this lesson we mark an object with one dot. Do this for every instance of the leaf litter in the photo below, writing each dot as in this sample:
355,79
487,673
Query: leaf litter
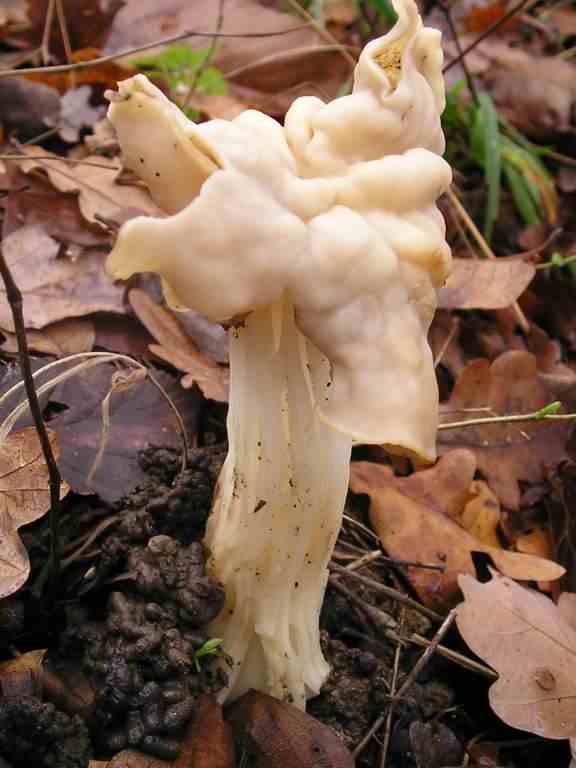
476,499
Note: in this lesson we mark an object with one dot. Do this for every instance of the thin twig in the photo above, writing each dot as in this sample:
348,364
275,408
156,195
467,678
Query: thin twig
45,44
209,55
78,65
428,653
324,34
486,250
65,40
395,670
445,9
535,416
14,298
491,29
432,648
390,592
69,160
388,628
366,559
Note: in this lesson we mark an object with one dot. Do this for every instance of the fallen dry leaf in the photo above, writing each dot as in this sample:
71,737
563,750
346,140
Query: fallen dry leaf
208,739
177,348
277,735
535,93
413,517
139,417
506,453
27,663
66,337
24,497
522,634
483,284
94,180
32,200
55,288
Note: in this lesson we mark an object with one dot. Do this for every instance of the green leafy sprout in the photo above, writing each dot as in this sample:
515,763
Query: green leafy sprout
183,68
210,648
477,135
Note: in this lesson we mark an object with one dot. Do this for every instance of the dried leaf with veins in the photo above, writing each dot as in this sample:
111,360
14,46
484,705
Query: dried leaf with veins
507,454
414,518
94,179
54,288
523,635
483,284
24,498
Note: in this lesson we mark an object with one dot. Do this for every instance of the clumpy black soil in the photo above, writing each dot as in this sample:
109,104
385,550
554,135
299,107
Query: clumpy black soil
124,629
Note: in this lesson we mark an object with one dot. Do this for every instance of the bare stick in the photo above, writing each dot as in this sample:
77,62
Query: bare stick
321,31
390,592
69,160
78,65
469,80
45,44
388,726
65,39
209,56
536,416
14,297
428,653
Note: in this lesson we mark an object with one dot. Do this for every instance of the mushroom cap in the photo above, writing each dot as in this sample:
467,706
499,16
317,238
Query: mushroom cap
336,212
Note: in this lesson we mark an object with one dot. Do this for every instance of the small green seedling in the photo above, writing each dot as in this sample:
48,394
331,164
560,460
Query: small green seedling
210,648
184,68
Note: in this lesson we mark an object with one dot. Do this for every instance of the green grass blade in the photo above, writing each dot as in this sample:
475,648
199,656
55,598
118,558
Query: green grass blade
522,194
486,148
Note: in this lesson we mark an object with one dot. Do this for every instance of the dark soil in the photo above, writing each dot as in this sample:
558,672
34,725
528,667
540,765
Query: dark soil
128,621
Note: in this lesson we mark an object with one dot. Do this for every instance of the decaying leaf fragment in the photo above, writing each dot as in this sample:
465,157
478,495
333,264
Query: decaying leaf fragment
24,497
522,634
415,520
278,735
